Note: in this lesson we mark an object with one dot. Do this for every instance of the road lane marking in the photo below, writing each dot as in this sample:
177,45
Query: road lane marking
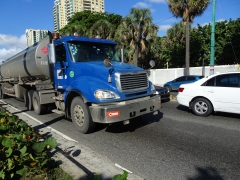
117,165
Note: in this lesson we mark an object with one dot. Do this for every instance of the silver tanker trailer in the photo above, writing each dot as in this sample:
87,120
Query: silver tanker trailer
29,71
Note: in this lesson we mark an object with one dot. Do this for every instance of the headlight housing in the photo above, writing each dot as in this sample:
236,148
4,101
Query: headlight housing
153,89
105,94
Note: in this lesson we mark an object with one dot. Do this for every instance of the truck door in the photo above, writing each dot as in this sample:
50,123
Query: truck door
61,68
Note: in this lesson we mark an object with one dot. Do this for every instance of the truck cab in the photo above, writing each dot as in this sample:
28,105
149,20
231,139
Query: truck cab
89,71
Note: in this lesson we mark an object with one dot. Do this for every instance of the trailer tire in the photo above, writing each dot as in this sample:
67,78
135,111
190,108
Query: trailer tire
38,108
81,116
28,99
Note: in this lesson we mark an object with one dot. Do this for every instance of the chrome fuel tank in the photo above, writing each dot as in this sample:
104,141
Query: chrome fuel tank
31,63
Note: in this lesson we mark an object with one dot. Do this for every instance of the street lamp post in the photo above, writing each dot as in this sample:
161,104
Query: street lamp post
212,38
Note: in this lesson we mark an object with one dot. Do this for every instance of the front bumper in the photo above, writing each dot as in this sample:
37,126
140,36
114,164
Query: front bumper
125,110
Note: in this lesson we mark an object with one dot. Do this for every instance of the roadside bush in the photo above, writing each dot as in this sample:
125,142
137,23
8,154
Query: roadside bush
23,152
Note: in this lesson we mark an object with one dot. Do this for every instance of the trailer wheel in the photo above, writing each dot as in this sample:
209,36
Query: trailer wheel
38,108
81,116
27,96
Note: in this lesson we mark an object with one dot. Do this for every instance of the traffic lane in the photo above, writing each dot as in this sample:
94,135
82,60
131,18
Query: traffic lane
218,119
179,149
175,144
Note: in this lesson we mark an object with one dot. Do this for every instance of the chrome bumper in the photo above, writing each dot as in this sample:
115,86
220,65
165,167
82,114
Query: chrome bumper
125,110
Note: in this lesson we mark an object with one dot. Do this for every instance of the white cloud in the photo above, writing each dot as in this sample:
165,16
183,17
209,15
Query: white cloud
142,5
164,27
220,20
205,24
156,1
209,23
11,45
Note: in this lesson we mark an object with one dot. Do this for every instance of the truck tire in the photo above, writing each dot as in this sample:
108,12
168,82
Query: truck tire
28,99
81,116
202,107
38,108
1,93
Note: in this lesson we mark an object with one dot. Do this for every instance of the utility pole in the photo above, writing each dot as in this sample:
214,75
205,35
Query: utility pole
212,38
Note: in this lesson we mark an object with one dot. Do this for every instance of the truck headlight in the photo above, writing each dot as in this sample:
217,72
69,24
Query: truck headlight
105,94
153,89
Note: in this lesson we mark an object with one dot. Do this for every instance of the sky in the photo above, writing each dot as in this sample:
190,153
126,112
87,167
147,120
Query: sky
18,15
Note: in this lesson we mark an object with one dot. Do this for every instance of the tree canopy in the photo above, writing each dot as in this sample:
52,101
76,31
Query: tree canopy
138,36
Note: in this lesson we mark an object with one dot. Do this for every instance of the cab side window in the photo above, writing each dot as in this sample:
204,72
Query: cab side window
60,53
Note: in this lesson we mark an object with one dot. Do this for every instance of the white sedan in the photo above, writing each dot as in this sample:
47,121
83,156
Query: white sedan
218,92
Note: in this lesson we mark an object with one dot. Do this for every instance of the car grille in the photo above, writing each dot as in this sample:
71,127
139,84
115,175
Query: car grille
131,81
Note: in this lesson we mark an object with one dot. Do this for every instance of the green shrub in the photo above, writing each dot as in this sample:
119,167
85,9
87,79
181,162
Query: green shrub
23,152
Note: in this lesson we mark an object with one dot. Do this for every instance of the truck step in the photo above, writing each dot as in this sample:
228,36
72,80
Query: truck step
58,112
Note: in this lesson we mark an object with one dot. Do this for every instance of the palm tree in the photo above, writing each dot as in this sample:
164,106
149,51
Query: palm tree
176,33
80,29
187,10
72,28
102,28
135,29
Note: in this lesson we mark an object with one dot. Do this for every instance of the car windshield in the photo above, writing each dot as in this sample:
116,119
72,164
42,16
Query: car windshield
88,51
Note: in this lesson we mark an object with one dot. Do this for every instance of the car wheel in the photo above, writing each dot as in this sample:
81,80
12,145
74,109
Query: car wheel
81,116
202,107
169,88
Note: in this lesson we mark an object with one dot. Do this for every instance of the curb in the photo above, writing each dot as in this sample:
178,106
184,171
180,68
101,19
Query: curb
173,98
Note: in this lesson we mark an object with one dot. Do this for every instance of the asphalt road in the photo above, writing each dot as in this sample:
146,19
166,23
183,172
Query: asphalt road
173,145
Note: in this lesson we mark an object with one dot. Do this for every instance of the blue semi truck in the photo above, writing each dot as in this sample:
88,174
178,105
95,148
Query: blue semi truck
83,78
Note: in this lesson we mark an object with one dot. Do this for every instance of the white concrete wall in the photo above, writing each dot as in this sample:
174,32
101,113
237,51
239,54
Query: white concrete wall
161,76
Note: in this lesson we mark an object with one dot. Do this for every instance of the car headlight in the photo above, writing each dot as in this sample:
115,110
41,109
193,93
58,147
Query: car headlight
168,90
105,94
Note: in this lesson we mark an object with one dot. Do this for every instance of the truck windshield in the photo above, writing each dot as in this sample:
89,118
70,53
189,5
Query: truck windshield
84,51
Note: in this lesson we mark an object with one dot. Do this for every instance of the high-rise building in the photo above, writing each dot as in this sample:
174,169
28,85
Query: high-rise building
64,9
34,35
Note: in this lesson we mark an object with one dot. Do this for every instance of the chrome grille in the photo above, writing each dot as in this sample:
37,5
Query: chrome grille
127,82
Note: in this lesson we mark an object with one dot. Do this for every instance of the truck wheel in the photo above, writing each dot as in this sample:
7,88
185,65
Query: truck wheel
38,108
1,93
202,107
27,96
81,116
2,96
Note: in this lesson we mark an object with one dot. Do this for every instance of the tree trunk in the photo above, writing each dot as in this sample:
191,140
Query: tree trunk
187,49
135,60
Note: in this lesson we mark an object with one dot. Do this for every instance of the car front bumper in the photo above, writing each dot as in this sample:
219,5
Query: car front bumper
125,110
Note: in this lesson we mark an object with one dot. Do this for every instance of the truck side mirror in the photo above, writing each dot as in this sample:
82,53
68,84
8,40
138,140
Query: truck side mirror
51,54
122,55
152,63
